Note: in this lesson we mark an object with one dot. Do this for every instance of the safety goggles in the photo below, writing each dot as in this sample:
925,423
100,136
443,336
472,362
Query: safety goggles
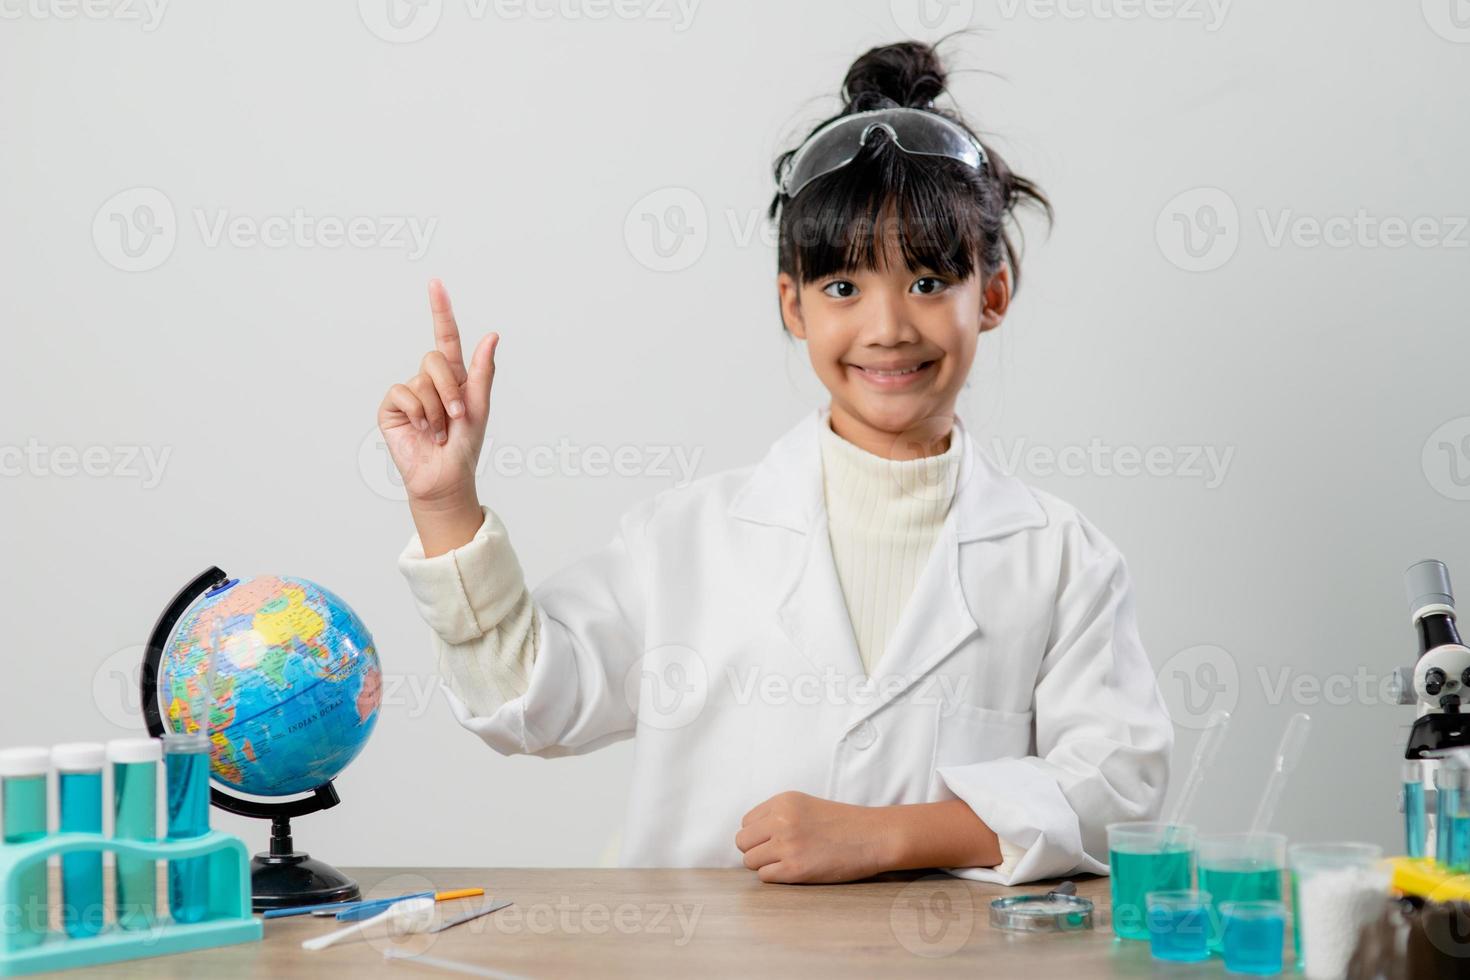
913,131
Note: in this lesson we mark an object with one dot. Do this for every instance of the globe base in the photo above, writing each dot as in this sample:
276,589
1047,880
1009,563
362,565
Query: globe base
280,881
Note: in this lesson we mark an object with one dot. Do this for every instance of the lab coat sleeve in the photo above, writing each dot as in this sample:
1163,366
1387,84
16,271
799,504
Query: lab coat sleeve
483,626
1103,738
556,658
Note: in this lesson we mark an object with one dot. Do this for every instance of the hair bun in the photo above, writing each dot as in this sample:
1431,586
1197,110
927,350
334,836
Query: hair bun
906,74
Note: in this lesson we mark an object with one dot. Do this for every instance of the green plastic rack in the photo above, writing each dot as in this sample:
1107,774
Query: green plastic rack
228,919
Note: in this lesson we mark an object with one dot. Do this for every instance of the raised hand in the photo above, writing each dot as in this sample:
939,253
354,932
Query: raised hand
434,426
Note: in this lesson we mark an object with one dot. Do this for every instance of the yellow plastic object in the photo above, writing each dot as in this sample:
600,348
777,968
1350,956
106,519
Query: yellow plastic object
1427,879
458,893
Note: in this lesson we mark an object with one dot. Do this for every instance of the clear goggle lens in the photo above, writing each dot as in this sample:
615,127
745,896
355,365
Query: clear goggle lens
913,131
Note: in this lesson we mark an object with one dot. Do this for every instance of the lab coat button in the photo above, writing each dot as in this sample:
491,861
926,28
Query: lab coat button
864,735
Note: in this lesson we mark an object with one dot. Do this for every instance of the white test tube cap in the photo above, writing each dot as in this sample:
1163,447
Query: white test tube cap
134,750
32,760
78,756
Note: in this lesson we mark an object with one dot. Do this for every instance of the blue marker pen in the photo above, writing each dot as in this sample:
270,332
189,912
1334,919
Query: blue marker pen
23,777
79,790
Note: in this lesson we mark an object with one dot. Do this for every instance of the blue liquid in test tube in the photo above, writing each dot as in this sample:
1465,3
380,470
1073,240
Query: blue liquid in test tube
186,765
135,817
23,776
79,781
1416,827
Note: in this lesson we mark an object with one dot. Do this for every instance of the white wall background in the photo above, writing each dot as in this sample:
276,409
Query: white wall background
530,134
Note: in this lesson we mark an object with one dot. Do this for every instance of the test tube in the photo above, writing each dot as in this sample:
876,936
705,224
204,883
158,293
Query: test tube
135,817
23,774
186,765
1448,782
186,774
79,791
1415,819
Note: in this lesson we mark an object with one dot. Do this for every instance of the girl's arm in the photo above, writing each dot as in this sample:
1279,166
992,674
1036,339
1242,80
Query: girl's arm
793,837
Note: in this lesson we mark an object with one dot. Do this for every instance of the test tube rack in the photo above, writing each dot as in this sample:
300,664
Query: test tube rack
228,920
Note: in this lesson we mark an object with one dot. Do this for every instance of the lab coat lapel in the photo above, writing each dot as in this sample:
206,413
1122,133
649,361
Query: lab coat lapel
937,619
785,491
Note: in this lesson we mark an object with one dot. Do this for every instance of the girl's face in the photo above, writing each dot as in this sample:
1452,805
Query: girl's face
893,347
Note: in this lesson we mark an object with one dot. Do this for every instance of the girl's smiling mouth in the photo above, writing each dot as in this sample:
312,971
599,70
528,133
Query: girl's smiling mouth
889,377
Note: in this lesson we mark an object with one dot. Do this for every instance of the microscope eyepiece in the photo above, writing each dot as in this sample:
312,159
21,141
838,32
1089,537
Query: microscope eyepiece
1428,584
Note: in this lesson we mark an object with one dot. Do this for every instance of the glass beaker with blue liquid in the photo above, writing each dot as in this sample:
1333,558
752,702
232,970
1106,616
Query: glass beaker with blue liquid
1143,857
1179,925
1254,936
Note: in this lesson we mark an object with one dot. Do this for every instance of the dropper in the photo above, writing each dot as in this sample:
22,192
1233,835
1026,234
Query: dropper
1205,751
1288,753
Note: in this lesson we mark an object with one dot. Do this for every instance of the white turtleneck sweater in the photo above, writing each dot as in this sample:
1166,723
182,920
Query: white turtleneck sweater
883,516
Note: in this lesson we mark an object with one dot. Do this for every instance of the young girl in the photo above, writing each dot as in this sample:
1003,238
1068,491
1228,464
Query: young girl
871,651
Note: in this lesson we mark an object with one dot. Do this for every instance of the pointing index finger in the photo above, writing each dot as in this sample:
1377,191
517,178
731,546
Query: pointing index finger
446,330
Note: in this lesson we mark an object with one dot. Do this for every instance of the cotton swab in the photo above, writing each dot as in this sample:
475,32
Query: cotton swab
1288,753
400,919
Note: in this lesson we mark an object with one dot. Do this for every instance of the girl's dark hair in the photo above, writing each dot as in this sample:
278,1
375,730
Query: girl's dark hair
946,216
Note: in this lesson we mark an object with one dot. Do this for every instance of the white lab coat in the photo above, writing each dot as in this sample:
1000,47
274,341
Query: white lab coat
713,630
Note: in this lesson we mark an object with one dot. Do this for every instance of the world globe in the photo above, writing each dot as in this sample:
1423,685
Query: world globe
296,684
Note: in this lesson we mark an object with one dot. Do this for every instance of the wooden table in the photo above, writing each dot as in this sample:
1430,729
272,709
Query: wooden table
700,923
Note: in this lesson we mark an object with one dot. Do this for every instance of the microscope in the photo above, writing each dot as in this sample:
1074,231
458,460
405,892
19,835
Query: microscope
1439,741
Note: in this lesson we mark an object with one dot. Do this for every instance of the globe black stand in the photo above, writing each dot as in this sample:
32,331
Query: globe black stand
282,877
